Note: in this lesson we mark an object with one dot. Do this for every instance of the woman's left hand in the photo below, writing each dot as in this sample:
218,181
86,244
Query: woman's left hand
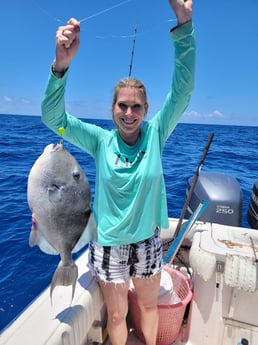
182,9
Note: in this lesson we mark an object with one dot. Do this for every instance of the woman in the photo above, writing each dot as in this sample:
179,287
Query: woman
130,200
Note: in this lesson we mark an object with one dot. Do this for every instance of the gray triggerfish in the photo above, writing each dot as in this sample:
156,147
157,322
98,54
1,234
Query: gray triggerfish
59,198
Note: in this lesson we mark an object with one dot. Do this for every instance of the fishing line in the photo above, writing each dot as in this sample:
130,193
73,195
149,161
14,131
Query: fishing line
48,13
83,20
104,11
142,33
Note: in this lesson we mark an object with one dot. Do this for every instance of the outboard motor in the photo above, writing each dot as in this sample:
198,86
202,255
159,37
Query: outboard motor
252,214
223,194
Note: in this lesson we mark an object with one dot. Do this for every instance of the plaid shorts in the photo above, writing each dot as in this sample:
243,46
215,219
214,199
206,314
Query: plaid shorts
117,264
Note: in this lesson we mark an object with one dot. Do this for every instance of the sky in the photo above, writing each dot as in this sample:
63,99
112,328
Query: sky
226,84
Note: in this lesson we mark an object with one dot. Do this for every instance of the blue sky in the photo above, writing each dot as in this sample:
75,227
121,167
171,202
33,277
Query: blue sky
226,87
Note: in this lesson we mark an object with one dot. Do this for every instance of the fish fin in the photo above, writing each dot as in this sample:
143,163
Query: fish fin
64,276
37,239
89,234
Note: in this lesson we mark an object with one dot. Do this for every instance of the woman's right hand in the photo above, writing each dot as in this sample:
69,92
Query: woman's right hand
67,44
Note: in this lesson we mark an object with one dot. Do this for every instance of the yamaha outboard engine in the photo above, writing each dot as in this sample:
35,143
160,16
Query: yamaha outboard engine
252,214
223,194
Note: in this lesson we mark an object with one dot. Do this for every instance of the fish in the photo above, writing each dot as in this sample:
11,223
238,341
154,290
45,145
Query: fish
59,197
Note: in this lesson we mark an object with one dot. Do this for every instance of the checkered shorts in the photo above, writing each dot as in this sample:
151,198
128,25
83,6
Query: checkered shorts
118,263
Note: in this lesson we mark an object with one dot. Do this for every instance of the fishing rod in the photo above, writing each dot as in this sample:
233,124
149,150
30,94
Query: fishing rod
132,55
181,231
206,149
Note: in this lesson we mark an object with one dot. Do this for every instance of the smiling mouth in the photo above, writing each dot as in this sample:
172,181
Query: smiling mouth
128,122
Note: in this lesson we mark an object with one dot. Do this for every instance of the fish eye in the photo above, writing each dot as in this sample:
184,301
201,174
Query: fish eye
76,175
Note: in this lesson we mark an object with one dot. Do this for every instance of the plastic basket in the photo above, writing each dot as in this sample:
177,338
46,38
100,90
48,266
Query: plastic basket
170,315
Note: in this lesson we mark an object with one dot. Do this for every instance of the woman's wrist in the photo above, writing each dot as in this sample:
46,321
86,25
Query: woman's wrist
59,73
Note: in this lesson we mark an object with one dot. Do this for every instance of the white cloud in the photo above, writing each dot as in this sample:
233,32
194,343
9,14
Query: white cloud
216,114
7,99
192,114
18,105
17,100
198,117
25,101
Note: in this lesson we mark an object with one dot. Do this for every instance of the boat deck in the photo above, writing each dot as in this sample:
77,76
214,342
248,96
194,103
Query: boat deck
133,340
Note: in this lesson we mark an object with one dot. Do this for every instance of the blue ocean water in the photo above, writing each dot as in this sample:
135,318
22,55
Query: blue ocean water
25,272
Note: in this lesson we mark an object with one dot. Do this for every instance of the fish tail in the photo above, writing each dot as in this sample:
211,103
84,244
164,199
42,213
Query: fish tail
64,276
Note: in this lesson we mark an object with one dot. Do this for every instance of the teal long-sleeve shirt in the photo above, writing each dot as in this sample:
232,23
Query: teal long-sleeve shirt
130,195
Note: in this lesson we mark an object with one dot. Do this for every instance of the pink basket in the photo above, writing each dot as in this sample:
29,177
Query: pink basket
170,315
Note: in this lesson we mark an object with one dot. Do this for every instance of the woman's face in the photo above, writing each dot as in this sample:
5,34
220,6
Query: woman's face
128,113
